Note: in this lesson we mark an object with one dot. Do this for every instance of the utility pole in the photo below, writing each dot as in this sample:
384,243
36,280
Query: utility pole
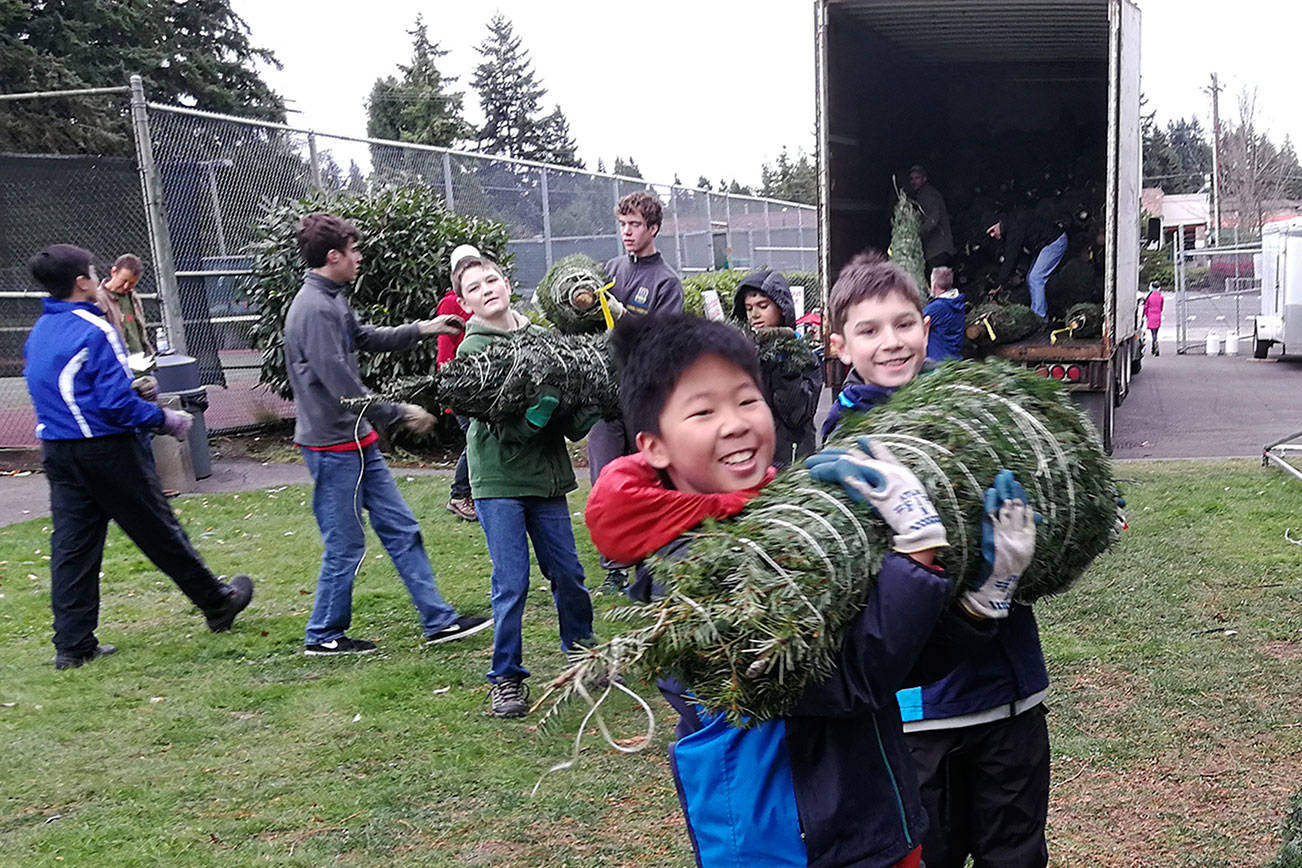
1215,91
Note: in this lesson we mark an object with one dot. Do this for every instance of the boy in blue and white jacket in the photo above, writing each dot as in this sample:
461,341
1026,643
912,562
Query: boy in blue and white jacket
89,417
830,783
978,735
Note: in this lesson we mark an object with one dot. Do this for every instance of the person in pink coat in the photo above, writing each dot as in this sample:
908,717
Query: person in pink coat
1153,313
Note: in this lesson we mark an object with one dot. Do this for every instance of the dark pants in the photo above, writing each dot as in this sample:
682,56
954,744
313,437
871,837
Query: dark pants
986,792
461,476
937,261
92,481
608,440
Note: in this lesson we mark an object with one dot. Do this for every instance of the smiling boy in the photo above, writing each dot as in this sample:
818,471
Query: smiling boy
520,472
978,734
831,783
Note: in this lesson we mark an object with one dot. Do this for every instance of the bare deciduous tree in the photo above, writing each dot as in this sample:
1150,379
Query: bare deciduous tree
1254,171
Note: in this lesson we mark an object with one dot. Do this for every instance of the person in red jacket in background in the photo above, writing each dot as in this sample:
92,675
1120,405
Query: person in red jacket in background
460,503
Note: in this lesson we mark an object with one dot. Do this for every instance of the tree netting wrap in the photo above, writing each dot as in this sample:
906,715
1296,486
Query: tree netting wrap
503,380
754,612
991,325
567,295
1084,321
783,351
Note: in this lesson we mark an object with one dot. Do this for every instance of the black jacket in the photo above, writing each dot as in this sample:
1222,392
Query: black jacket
1024,229
790,389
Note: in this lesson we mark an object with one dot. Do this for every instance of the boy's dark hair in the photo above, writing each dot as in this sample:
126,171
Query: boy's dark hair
942,278
868,276
652,352
466,263
644,204
320,233
129,262
57,268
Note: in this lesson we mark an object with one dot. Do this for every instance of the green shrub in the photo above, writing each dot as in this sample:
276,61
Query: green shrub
723,282
407,237
1155,267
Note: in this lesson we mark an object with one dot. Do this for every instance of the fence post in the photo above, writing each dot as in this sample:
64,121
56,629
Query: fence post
619,240
160,241
678,236
315,167
447,181
547,219
768,231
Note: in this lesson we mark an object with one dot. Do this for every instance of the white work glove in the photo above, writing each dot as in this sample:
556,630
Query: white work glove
1007,546
872,474
417,419
447,324
176,423
146,387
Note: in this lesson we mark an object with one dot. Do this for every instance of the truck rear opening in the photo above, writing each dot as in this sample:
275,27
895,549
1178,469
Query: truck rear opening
1015,105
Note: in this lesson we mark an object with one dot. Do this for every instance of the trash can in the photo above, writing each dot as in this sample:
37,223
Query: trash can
179,376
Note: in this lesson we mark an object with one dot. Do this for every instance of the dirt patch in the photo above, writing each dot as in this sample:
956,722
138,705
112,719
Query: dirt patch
1284,649
1100,691
1164,810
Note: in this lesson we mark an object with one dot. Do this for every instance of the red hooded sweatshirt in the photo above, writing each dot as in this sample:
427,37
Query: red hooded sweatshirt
448,344
631,514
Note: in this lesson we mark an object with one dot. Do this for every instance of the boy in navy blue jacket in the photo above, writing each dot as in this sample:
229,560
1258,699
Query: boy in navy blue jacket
831,783
978,735
88,415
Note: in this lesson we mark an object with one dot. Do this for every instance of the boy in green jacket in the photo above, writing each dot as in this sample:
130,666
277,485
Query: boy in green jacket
520,472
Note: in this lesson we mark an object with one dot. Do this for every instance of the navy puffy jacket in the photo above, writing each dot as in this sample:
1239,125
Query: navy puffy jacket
76,369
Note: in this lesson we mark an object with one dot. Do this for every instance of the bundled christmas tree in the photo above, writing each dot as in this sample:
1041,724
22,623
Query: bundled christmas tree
991,325
1083,321
754,613
503,380
906,242
568,295
784,351
1290,852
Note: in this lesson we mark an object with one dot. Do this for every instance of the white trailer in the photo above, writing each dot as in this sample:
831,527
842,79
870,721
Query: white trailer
1280,268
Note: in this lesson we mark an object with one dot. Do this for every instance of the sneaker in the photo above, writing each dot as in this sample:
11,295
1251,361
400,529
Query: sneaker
510,698
72,661
338,647
463,626
462,507
238,595
614,584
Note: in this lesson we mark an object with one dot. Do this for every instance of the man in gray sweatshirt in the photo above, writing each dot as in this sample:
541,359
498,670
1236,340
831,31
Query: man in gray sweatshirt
644,284
322,337
937,238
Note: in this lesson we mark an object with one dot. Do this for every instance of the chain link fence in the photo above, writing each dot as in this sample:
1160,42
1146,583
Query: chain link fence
1217,298
188,199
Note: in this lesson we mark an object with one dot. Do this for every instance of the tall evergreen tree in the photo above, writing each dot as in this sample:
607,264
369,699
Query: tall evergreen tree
1193,149
197,53
628,168
795,180
511,96
418,107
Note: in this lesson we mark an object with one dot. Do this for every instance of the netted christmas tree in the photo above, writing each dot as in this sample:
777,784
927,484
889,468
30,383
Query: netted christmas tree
503,380
991,325
906,242
1083,320
1290,851
754,613
784,351
568,295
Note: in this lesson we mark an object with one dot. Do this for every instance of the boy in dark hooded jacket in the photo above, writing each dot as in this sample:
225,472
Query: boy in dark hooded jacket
791,386
831,783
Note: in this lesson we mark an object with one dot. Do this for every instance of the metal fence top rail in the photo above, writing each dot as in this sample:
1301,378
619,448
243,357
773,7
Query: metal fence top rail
452,152
41,94
1221,251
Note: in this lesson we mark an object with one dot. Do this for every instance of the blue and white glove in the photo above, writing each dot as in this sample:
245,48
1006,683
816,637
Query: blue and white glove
1007,546
871,474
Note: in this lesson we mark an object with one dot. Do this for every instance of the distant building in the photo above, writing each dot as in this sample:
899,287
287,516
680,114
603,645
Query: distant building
1167,214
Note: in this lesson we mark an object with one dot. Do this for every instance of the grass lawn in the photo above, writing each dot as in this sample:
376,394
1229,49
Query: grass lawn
1176,705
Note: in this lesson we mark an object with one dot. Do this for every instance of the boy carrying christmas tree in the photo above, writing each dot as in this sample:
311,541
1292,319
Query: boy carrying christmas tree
831,783
520,473
978,735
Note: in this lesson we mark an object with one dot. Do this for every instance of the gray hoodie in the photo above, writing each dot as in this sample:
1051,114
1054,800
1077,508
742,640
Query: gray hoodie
322,337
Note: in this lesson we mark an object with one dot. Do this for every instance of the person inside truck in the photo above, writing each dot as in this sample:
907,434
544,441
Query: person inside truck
1046,242
947,312
937,238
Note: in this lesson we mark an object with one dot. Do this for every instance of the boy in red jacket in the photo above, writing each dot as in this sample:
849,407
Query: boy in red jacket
831,783
460,502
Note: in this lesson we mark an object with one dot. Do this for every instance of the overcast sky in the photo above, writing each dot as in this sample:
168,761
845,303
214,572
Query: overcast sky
715,87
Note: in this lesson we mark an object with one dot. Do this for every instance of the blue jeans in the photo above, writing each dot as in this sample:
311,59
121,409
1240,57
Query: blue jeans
337,502
509,524
1045,263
